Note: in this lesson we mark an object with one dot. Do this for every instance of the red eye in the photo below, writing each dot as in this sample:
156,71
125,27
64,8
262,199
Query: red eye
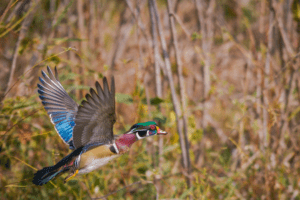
152,127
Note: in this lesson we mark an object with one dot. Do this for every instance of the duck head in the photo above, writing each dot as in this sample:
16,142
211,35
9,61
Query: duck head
137,132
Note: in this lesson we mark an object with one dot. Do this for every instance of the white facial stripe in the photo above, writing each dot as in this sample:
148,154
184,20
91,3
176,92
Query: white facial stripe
137,135
116,148
148,133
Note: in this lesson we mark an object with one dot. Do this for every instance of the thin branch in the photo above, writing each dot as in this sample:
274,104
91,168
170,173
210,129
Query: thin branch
24,27
55,55
185,30
139,23
158,83
275,8
19,122
259,69
6,10
156,53
264,137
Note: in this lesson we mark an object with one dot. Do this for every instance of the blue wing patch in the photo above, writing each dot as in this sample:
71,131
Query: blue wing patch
64,124
60,107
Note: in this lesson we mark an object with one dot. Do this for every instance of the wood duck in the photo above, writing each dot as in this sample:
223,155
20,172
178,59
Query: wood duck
87,129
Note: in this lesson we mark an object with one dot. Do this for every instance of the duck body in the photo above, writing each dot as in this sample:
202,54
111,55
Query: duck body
86,128
101,155
95,158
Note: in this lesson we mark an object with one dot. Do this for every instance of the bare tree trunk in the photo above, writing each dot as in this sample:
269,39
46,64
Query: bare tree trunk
181,83
264,139
52,6
175,100
278,13
71,55
158,82
206,30
125,27
259,71
92,25
82,46
285,93
242,141
156,53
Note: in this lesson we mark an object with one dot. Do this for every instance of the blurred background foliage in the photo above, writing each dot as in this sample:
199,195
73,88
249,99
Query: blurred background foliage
240,69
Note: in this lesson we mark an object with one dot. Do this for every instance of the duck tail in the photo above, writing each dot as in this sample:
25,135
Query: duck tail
46,174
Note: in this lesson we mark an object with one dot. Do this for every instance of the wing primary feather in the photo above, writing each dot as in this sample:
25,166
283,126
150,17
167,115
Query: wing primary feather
112,87
53,85
89,106
54,108
90,100
45,103
95,96
45,83
100,91
112,90
50,73
46,93
56,73
50,99
41,87
50,93
105,87
57,79
83,110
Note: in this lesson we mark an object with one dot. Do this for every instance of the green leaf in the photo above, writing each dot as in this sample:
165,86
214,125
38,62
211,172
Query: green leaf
156,101
55,59
196,36
124,98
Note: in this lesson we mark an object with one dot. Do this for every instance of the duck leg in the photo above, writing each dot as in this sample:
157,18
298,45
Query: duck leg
70,176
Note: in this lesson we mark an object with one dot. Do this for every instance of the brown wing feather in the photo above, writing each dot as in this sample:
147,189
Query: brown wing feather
96,116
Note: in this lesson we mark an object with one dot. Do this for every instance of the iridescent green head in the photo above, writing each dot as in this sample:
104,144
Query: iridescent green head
146,129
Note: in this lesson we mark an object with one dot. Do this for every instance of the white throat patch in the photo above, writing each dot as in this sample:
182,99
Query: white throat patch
116,148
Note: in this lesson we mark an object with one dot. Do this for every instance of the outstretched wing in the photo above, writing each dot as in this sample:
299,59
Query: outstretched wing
96,116
60,107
